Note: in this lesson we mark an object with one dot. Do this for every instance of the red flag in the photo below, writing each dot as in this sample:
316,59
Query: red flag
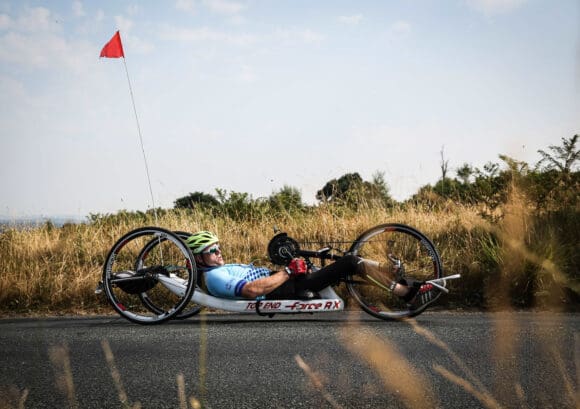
114,48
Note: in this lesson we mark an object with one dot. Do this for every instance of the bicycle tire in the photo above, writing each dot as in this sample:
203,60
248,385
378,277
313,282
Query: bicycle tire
171,262
419,258
189,310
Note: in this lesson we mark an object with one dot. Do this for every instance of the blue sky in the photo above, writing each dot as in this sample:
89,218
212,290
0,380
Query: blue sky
252,95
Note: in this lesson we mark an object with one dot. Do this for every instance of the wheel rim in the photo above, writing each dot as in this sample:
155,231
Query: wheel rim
169,258
385,244
191,308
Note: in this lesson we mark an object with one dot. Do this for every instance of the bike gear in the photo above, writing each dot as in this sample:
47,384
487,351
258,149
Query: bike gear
282,249
200,240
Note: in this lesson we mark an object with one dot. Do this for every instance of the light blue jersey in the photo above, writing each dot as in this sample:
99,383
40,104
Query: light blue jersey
228,280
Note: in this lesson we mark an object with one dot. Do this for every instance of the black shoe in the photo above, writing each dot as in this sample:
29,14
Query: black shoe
426,295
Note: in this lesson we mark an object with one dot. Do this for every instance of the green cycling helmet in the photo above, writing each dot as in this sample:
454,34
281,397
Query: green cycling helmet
200,240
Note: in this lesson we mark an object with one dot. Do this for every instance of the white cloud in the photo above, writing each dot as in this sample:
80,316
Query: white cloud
133,9
36,20
137,45
100,16
51,52
124,24
205,34
237,20
185,5
351,20
300,34
491,7
401,27
30,50
5,22
12,89
224,6
77,8
246,74
36,42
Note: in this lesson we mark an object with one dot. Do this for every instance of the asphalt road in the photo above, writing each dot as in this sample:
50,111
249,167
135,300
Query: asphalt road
338,360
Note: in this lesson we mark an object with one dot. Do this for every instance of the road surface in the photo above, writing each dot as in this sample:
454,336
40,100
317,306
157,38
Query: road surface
329,360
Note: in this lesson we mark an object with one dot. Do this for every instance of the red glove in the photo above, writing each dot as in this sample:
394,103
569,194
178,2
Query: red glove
296,267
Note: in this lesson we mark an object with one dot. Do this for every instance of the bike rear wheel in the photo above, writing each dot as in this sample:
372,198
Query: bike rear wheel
391,243
168,280
190,309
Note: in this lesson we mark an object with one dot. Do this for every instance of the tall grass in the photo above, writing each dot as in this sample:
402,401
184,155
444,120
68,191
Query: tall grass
522,260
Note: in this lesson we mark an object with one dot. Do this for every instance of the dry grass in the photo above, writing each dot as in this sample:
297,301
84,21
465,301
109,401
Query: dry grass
49,269
55,270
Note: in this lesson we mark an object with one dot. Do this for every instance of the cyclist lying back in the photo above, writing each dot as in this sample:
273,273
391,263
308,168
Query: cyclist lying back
250,282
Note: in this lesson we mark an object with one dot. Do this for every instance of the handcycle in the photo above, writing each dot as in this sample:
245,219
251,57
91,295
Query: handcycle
150,275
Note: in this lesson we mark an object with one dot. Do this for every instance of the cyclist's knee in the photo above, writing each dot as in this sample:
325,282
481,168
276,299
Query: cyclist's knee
351,261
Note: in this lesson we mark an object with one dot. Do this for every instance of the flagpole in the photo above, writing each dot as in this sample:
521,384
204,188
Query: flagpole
141,142
114,49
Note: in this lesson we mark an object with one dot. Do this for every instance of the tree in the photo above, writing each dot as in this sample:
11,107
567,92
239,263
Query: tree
445,186
240,205
490,170
444,164
196,199
554,183
465,172
380,189
287,198
352,191
337,189
515,167
560,179
563,158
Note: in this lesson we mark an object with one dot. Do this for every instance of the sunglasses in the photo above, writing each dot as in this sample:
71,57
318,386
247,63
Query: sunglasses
213,250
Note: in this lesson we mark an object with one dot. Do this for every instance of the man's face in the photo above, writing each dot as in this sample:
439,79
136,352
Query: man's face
212,256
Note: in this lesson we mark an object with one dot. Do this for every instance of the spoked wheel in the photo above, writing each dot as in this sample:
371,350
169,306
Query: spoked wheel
143,261
167,280
407,252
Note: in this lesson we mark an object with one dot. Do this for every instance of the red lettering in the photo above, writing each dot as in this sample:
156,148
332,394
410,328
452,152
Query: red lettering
264,305
300,306
296,306
270,305
293,306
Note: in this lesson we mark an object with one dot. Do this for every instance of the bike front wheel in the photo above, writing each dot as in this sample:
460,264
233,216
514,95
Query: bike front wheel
410,254
167,281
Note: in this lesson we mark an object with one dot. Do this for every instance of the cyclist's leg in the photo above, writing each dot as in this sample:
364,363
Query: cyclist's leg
340,269
286,290
328,275
317,280
382,274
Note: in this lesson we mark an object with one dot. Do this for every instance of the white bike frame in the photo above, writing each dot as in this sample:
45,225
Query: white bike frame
329,301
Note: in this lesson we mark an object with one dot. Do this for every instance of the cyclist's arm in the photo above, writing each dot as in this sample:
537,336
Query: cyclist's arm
263,286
